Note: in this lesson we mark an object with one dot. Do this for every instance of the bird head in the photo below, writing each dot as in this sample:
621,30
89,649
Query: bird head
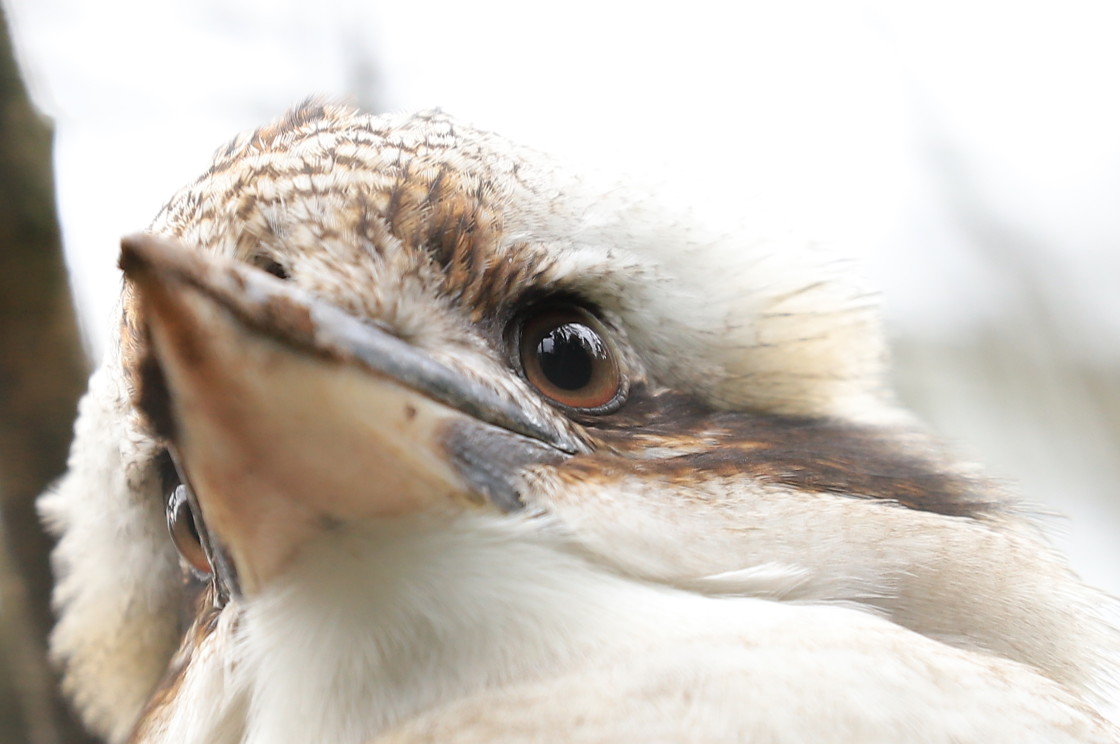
421,409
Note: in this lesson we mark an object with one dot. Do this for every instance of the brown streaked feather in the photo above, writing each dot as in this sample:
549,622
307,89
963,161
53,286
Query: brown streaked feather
202,611
443,206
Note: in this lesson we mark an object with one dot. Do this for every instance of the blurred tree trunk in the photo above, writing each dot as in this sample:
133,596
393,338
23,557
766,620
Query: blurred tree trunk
42,374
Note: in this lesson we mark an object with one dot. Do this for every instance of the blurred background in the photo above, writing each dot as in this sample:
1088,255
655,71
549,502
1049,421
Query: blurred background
967,152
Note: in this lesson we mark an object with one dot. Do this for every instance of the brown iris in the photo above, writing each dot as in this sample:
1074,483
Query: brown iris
566,357
184,531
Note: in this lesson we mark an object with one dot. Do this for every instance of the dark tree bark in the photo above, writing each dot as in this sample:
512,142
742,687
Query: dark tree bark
42,374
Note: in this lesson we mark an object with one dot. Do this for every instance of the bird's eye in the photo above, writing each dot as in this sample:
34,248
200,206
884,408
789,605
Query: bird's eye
184,531
271,265
566,356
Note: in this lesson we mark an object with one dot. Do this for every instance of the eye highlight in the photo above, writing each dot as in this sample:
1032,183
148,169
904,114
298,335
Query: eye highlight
565,354
184,531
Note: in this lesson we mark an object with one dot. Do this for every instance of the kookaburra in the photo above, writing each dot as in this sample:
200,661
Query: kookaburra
458,446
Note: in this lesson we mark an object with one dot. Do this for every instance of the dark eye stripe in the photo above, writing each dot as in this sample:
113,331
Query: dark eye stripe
814,455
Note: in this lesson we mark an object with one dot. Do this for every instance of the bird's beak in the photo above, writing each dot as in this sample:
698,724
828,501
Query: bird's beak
290,417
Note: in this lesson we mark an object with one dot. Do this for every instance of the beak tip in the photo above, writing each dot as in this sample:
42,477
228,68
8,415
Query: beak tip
134,258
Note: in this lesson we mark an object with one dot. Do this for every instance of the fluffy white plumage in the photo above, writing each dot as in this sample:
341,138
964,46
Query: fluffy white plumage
756,546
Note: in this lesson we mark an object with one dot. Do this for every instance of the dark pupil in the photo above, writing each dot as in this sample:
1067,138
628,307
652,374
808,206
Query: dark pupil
567,355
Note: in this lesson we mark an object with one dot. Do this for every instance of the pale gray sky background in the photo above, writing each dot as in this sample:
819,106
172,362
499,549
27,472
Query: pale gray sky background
968,151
